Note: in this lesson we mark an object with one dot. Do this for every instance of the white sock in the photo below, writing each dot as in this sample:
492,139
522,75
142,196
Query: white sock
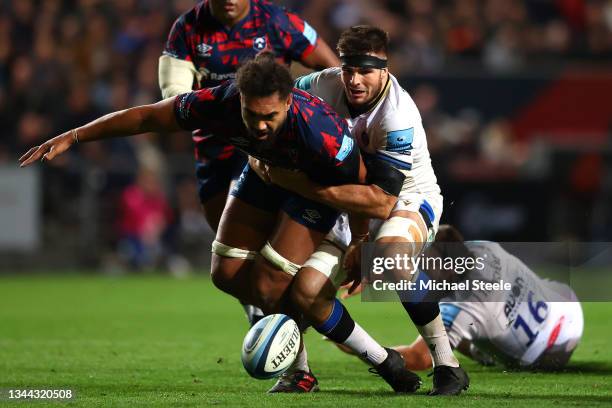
365,346
301,361
436,339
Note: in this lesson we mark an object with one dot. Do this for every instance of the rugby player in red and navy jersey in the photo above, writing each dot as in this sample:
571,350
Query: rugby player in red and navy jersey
266,233
205,47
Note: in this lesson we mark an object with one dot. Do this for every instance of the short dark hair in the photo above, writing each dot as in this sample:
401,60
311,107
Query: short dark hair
263,76
362,39
450,243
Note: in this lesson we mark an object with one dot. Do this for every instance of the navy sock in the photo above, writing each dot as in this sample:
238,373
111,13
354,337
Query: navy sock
421,305
339,324
423,312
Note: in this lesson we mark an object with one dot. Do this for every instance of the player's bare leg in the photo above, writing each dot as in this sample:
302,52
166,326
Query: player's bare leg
408,228
290,245
315,295
213,190
243,231
212,209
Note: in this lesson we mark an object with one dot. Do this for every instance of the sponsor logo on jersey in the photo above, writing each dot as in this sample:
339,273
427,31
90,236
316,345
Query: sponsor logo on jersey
204,50
400,140
515,298
345,148
183,107
259,43
310,33
311,215
213,76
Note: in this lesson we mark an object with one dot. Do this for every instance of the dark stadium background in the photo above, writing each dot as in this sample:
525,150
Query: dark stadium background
514,95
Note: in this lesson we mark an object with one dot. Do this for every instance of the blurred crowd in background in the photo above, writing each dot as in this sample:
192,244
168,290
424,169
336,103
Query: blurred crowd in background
63,63
503,35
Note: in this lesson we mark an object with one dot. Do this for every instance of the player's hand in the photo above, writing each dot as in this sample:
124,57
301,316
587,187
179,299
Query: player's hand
351,262
48,150
260,168
348,290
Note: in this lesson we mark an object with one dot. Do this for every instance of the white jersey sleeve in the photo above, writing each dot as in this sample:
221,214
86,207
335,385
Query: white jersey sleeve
395,138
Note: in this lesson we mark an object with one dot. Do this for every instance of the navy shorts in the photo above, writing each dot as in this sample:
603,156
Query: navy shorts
254,191
215,175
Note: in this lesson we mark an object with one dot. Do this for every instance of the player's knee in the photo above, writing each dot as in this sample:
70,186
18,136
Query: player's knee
227,264
303,296
221,277
312,292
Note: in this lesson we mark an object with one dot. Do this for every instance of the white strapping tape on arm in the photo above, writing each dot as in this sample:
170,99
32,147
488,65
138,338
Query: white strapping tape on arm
278,260
230,252
176,76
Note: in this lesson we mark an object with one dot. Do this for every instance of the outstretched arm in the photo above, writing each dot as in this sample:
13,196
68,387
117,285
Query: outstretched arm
141,119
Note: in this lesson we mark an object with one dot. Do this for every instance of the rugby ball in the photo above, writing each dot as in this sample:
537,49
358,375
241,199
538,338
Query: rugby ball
271,346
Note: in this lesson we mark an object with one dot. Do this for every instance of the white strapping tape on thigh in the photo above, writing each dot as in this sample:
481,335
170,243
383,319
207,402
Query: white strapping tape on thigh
278,260
231,252
326,259
400,227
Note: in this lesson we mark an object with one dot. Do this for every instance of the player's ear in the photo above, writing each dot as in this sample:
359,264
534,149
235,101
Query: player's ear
289,100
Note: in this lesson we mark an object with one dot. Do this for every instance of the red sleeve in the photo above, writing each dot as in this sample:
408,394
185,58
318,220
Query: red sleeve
295,36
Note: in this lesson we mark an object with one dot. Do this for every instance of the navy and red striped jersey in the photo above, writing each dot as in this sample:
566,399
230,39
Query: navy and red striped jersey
314,139
217,51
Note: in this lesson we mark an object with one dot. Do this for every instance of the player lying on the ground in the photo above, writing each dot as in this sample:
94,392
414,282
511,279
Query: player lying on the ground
205,47
537,328
387,126
265,232
536,325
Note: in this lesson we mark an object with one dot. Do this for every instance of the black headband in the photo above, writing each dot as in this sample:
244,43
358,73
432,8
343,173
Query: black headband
363,61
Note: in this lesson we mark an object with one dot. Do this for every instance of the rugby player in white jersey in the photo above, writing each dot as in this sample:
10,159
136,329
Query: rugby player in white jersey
537,324
387,126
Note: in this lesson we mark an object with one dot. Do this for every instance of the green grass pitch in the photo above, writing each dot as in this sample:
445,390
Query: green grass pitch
156,341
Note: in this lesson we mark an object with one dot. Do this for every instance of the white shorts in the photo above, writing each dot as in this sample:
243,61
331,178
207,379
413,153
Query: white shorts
559,339
571,327
429,206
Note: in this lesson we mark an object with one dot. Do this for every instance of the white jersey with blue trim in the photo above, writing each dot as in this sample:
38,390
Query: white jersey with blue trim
515,327
392,130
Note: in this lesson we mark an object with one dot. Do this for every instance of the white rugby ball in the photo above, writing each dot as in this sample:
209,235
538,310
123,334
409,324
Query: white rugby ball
271,346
